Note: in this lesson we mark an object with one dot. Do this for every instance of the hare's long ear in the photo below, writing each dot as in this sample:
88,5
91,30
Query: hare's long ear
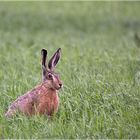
54,60
44,68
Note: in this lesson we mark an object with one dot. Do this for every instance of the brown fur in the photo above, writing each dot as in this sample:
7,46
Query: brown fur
43,99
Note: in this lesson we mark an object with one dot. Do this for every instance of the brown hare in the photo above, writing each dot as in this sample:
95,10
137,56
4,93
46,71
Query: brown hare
43,99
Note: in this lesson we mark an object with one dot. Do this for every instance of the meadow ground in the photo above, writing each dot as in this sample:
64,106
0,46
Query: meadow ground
100,67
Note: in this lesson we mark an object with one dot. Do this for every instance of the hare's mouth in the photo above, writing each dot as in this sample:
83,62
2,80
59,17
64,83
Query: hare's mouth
57,88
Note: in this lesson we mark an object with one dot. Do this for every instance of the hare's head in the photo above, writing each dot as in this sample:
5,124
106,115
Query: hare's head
48,74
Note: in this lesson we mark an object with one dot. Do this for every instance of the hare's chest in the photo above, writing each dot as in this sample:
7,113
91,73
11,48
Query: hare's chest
49,104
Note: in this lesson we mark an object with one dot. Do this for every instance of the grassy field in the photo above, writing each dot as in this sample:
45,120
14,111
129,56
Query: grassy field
100,67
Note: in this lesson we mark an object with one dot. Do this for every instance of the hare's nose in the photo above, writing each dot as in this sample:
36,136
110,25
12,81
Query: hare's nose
60,85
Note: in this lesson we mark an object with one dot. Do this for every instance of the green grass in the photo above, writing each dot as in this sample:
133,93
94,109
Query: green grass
100,67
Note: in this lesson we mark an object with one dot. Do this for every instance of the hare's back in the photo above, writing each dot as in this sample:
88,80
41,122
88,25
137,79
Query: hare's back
25,101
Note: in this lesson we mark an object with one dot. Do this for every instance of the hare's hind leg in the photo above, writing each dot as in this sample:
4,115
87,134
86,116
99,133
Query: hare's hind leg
29,109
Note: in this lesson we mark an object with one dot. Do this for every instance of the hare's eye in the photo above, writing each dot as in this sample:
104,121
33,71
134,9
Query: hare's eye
50,76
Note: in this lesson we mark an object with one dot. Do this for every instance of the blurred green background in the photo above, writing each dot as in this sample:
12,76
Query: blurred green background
100,67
